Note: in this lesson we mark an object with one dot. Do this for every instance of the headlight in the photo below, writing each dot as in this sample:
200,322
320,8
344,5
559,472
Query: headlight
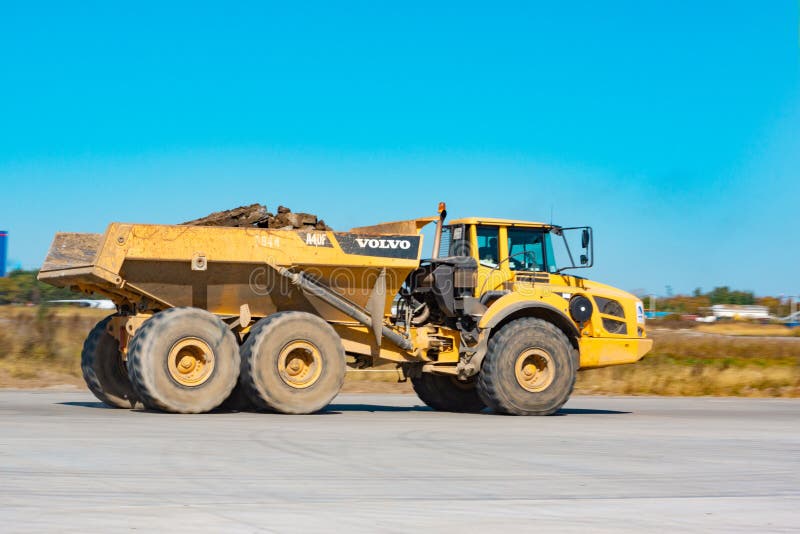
639,312
580,308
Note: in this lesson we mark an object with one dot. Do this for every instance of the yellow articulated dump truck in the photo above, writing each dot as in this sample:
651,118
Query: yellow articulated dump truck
214,315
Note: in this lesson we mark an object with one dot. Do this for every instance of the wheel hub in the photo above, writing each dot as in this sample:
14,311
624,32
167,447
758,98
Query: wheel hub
534,370
190,361
300,364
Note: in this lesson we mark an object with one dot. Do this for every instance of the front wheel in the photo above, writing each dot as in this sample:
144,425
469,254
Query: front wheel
529,369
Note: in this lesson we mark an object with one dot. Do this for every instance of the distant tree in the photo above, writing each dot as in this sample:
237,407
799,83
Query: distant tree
21,287
685,304
720,295
724,295
776,306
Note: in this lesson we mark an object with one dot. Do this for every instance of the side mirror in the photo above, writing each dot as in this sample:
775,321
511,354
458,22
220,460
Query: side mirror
584,259
585,239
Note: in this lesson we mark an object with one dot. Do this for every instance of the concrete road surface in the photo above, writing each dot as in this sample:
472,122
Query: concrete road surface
386,463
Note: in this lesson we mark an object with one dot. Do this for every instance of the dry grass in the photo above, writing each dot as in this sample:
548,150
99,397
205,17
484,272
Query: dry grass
696,364
41,347
747,329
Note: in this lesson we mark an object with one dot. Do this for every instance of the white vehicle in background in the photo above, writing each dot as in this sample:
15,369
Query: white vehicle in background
706,319
100,304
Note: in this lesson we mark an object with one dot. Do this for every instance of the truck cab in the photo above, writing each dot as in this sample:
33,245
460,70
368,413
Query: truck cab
506,250
528,268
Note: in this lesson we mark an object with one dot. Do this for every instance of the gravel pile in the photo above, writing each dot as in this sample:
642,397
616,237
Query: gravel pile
257,216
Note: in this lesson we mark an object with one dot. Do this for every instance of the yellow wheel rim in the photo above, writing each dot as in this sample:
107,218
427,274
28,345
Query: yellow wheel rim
190,361
300,364
534,370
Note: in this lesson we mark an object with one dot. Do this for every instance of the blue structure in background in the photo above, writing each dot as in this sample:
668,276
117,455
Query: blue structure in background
656,314
3,248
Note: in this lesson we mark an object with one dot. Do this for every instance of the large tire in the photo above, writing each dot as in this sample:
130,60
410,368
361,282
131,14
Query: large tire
293,363
529,369
183,360
104,370
447,393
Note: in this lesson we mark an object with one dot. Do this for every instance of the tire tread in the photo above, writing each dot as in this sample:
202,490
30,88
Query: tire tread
94,382
250,354
490,387
146,391
440,394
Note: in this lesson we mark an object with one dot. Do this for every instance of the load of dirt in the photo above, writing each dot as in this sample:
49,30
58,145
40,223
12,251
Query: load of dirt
257,216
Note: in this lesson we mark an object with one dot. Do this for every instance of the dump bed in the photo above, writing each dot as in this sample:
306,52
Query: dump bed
219,269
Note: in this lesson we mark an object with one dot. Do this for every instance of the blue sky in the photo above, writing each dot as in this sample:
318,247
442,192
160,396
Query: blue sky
670,127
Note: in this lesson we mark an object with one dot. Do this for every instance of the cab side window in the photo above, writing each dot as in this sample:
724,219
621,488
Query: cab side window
526,249
488,253
455,242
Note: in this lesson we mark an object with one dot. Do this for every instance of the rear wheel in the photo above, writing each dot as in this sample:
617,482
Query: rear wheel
447,393
529,369
104,370
183,360
292,362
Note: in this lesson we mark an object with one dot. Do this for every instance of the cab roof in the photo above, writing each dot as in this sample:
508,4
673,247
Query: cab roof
492,221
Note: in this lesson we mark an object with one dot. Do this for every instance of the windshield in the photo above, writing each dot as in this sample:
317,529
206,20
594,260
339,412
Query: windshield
530,249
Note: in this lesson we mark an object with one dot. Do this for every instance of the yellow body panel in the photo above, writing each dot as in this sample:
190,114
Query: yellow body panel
237,266
598,347
534,296
600,352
